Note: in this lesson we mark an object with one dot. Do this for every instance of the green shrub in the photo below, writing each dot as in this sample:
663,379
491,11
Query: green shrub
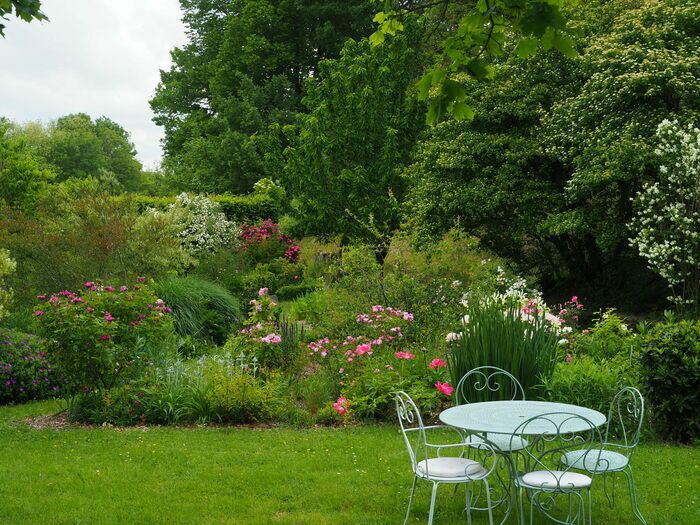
671,378
609,337
122,406
586,382
26,372
238,208
242,398
495,332
200,308
293,291
104,335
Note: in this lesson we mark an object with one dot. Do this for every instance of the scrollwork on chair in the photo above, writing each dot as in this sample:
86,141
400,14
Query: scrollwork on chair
488,383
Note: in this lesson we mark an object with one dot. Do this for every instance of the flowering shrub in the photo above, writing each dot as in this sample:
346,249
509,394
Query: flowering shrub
373,363
202,226
7,266
26,372
667,222
101,335
265,242
262,334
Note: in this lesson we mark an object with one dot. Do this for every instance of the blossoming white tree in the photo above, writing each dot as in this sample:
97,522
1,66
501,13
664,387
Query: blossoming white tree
666,225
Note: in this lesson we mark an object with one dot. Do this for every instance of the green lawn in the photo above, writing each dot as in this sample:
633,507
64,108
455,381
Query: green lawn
356,475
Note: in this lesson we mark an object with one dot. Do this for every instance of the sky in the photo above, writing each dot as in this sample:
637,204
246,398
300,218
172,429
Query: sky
100,57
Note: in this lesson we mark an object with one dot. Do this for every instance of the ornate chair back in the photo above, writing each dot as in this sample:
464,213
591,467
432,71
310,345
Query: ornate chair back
625,419
552,435
412,428
488,383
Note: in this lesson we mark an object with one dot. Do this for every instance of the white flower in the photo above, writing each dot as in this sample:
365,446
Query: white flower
566,330
563,342
453,337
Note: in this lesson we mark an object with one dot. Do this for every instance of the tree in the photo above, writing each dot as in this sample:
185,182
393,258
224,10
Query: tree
473,33
22,175
80,148
345,156
242,71
26,10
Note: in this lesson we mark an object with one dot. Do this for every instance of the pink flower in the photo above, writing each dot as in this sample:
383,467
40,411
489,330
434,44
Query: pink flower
135,323
123,288
141,279
404,355
363,349
341,406
109,288
105,337
89,284
437,363
39,313
377,308
41,297
271,339
341,371
263,291
568,358
90,309
408,316
574,299
586,331
445,388
108,317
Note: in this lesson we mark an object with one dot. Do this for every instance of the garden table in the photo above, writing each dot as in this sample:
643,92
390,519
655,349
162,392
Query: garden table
504,417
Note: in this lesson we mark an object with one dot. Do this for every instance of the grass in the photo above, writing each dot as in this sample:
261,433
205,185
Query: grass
357,475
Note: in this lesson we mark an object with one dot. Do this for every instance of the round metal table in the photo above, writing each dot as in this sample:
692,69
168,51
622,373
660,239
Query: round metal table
504,417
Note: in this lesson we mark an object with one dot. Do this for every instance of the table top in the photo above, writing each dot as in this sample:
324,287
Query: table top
504,417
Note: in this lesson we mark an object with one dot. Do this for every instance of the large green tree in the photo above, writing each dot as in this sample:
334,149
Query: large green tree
243,70
558,145
346,155
26,10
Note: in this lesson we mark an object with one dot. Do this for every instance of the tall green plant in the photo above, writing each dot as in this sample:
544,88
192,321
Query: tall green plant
498,332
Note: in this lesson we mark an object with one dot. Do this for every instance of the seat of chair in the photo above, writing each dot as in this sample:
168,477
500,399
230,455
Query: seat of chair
450,468
586,460
501,442
554,480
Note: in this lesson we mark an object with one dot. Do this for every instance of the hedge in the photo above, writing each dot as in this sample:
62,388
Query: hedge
238,208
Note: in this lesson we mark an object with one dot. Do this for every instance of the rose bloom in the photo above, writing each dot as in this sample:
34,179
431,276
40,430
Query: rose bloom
404,355
437,363
445,388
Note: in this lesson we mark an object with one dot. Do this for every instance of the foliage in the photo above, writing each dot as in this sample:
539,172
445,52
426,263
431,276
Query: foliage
7,267
103,336
477,34
201,225
345,155
240,74
26,10
503,332
26,372
238,208
22,174
78,230
200,308
666,226
588,382
265,242
608,338
670,375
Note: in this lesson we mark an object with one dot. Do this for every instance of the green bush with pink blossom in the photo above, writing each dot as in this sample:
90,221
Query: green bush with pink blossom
103,335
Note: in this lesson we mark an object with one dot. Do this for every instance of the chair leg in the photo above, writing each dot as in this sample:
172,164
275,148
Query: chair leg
410,501
488,501
432,504
590,508
633,494
521,507
468,509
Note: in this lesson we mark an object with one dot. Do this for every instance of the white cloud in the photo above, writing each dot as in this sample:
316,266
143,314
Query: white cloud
100,57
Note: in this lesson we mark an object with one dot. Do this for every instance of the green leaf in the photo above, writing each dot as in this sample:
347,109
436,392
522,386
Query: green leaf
376,38
479,69
461,111
565,44
379,17
526,47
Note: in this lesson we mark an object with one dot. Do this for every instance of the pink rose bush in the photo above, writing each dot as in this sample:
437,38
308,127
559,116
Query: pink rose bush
265,242
100,335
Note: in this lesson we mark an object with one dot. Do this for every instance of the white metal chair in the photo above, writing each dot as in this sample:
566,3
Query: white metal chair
544,478
434,467
490,383
621,437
